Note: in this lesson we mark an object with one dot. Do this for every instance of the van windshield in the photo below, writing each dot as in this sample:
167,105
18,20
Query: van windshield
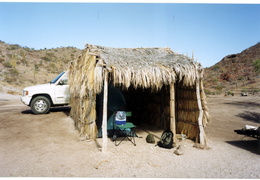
56,79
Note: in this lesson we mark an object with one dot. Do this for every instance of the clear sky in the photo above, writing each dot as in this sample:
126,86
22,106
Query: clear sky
211,31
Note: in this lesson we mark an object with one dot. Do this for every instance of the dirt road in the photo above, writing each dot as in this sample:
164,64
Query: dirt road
48,146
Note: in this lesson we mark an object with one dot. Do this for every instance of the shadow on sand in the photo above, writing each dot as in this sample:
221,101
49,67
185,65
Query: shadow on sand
245,103
250,116
249,145
65,110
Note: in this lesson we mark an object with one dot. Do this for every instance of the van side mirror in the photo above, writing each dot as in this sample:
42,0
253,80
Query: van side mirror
61,82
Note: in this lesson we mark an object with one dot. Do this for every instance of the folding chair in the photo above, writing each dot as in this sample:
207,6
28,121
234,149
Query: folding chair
125,129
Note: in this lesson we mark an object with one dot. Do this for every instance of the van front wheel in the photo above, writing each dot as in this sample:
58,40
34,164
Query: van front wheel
40,105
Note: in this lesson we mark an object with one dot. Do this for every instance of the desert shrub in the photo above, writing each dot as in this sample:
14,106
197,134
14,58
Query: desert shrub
211,81
36,67
256,65
2,60
215,67
207,92
233,83
13,47
46,58
219,88
215,80
240,78
255,91
244,90
12,75
52,68
7,64
66,61
9,56
13,72
13,60
215,92
49,57
230,93
28,49
23,60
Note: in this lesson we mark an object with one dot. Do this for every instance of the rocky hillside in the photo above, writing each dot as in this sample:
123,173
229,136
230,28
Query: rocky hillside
234,73
23,66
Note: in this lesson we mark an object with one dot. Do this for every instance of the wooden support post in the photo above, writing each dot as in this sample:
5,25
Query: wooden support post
201,128
104,120
172,112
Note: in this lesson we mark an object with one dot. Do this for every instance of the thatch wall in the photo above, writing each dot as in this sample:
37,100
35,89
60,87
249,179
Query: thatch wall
148,72
83,97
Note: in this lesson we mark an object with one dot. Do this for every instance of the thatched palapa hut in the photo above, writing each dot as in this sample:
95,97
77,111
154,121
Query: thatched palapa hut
162,88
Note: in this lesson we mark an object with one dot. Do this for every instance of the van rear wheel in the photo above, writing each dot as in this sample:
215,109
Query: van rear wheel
40,105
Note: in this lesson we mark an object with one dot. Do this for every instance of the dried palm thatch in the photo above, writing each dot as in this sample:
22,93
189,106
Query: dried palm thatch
146,68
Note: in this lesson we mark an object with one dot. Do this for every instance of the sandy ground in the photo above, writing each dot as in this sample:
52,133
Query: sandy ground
48,146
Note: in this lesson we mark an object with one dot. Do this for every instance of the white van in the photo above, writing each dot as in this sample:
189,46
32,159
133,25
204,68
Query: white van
41,97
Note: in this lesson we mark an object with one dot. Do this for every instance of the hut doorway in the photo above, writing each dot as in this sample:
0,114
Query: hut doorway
149,107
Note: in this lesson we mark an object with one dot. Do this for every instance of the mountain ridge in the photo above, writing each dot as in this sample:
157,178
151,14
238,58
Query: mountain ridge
22,66
235,72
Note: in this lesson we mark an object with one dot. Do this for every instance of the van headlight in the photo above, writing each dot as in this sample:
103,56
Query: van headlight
25,93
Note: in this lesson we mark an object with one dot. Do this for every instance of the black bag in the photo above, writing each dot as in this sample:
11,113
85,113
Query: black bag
166,140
